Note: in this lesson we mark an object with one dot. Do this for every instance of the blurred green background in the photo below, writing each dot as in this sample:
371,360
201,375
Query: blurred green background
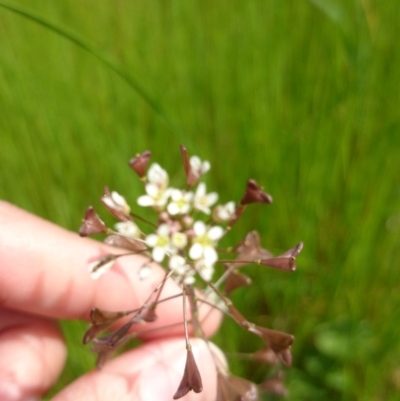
302,96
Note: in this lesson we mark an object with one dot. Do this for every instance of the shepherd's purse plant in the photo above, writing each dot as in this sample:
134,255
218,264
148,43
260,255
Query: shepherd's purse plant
183,238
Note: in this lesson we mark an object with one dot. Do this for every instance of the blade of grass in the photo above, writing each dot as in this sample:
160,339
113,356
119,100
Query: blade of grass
83,43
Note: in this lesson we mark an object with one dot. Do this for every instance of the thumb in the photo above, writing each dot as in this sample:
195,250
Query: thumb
150,372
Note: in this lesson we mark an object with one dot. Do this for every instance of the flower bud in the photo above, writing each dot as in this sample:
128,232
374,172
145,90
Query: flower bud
139,163
254,194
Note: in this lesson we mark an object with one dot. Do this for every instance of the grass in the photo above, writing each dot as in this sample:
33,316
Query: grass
302,96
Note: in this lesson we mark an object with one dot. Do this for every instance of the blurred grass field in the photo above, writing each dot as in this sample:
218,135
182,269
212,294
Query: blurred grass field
303,96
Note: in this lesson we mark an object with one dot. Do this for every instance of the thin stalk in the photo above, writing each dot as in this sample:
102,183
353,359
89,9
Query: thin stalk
198,330
129,312
136,216
227,272
195,322
155,302
155,329
120,255
188,346
159,286
204,301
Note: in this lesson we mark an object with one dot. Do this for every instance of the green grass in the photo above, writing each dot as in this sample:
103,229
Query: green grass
303,96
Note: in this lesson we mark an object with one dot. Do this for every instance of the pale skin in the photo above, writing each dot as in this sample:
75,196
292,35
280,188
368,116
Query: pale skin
44,277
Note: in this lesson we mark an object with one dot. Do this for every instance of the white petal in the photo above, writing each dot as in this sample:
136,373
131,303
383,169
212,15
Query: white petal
195,163
201,190
181,270
171,249
176,194
157,175
225,212
196,251
173,209
203,208
215,233
152,190
207,273
189,280
205,166
151,240
230,207
167,192
158,254
163,199
211,198
119,199
188,196
220,213
185,208
163,230
199,228
210,255
128,228
154,172
145,200
108,202
176,261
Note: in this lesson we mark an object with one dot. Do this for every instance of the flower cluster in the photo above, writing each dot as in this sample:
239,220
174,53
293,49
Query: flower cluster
184,240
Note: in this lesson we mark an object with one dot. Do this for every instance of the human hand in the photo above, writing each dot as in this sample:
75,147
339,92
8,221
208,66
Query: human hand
43,277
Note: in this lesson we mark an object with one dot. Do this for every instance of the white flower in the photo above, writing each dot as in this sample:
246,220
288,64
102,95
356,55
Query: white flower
181,269
160,243
179,240
128,229
204,242
155,196
158,176
116,202
203,201
224,212
198,167
157,188
205,269
180,202
178,265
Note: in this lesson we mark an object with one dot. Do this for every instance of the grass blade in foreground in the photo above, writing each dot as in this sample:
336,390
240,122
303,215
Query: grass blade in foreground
92,49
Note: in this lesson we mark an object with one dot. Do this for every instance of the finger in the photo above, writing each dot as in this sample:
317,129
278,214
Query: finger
150,372
43,269
32,355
